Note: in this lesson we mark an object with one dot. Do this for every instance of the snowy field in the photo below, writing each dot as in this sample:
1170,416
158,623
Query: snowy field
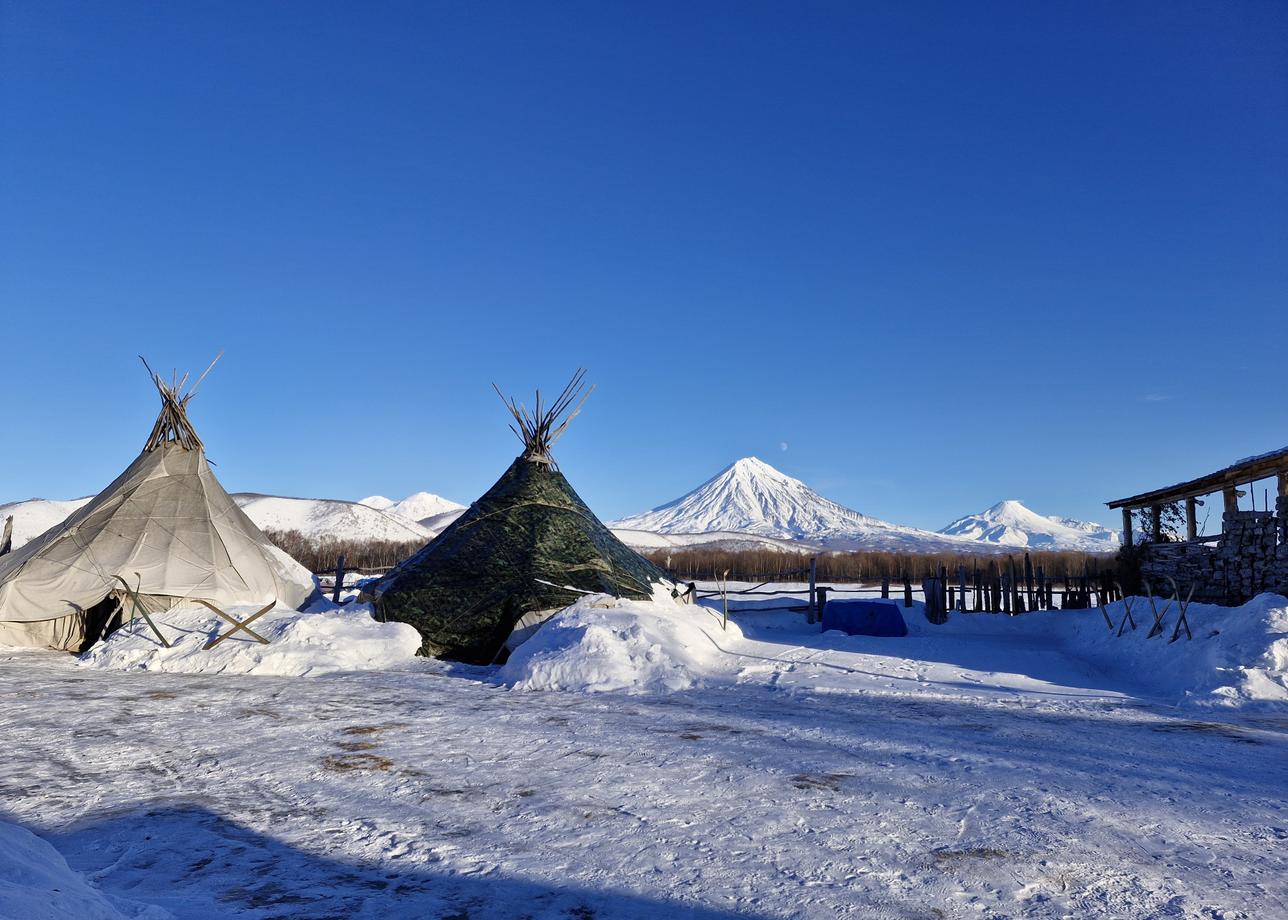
995,767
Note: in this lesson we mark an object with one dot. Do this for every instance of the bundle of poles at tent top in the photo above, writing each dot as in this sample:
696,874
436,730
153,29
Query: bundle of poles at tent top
538,429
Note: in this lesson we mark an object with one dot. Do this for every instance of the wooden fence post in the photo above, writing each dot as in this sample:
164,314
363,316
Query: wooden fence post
339,580
907,590
933,589
813,590
885,587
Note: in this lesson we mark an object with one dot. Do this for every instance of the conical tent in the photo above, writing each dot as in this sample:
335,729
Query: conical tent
165,526
528,547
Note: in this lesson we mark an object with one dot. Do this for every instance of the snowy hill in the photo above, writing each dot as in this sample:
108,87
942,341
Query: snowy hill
34,516
1009,523
321,518
317,518
424,507
751,499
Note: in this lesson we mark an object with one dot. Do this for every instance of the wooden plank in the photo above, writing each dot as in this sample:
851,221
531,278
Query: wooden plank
1237,474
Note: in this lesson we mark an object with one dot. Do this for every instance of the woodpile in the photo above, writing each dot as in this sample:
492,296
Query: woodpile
1250,558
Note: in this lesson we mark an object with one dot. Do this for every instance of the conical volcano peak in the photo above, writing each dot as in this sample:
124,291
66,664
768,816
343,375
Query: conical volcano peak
750,496
1011,523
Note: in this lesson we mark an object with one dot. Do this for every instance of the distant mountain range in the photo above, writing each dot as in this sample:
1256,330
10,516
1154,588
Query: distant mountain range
750,501
316,518
426,508
749,504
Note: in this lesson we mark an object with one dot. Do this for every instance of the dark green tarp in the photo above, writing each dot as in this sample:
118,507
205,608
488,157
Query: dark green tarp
518,549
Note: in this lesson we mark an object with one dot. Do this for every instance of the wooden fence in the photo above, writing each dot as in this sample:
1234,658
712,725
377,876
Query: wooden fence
990,588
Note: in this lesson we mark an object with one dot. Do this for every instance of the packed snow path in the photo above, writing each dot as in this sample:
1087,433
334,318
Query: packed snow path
433,792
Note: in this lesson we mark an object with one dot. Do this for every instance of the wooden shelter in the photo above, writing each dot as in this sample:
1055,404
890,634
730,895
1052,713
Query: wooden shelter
1248,556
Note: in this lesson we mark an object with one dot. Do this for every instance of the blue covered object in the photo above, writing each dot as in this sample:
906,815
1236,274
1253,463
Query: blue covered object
864,618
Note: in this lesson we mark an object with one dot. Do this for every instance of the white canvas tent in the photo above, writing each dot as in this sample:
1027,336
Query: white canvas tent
166,526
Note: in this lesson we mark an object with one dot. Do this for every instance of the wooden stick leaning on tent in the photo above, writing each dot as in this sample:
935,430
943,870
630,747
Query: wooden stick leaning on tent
237,624
139,609
6,539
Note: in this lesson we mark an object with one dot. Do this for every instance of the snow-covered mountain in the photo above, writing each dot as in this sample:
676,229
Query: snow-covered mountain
328,518
1009,523
424,507
751,499
34,516
317,518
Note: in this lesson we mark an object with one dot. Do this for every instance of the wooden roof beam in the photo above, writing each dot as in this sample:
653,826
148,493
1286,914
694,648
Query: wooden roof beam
1240,474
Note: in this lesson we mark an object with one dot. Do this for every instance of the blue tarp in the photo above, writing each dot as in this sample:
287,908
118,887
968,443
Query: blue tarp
864,618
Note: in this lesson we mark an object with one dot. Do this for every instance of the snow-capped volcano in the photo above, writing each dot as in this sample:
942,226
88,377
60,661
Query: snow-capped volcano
1009,523
752,499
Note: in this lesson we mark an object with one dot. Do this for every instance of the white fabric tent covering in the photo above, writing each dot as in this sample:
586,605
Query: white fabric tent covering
166,526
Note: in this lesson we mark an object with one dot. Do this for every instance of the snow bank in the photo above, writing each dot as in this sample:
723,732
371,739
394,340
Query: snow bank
1237,658
324,642
37,884
602,644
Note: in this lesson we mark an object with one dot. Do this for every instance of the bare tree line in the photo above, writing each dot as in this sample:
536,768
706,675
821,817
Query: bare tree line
704,564
320,555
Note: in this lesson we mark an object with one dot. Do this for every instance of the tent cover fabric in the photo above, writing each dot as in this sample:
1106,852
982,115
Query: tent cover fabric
530,544
168,528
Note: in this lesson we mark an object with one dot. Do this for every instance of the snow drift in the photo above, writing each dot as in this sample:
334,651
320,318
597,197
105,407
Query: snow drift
602,644
1237,658
37,884
331,640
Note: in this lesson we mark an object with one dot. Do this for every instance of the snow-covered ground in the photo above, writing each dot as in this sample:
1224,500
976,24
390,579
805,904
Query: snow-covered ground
994,767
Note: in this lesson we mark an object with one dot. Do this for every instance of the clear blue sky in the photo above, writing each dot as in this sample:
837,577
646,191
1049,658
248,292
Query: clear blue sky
945,253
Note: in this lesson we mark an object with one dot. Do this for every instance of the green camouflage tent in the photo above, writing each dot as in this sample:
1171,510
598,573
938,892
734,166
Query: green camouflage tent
528,547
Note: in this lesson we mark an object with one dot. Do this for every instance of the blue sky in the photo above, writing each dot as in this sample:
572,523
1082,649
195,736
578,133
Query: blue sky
945,254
